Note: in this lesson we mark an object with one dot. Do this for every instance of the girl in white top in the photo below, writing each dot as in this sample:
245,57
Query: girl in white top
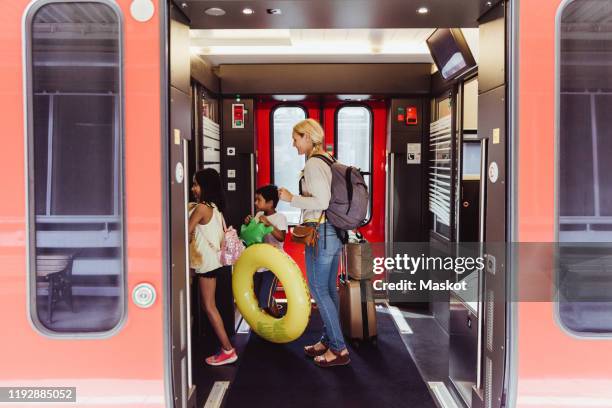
322,261
206,227
208,238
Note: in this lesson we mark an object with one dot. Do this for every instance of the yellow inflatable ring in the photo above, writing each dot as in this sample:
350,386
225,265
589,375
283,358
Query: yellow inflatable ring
292,325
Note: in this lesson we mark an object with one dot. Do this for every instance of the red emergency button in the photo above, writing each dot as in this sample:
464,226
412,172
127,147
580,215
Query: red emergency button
411,115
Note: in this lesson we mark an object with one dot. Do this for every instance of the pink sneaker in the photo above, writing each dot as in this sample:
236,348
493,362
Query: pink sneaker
222,357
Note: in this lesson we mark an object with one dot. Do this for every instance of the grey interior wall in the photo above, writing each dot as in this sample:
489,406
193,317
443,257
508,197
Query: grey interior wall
237,153
407,188
410,209
203,72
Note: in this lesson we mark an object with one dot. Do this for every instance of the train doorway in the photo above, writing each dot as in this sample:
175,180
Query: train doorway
427,141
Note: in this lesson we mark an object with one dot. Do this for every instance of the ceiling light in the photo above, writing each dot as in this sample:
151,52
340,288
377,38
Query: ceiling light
314,48
247,11
274,11
288,98
358,98
423,10
215,11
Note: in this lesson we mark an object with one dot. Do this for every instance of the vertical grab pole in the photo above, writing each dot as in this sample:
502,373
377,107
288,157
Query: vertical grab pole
390,210
187,304
253,171
481,239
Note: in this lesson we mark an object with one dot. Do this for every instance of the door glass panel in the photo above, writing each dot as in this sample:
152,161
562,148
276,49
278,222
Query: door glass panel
75,164
585,185
287,164
354,140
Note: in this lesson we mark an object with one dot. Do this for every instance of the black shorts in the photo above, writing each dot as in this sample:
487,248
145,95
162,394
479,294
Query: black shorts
214,273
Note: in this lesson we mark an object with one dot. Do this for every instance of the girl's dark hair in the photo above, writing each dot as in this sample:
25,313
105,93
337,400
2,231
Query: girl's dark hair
211,187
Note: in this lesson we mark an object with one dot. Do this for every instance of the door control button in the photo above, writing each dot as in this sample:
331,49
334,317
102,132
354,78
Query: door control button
144,295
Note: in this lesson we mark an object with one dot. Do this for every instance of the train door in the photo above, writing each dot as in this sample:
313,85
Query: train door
464,314
492,125
467,196
266,95
358,127
83,277
355,133
562,205
179,134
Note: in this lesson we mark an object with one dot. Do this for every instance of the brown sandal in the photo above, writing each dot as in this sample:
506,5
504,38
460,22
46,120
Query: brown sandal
310,351
340,360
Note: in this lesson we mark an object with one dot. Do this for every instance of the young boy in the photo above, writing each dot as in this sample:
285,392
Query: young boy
266,199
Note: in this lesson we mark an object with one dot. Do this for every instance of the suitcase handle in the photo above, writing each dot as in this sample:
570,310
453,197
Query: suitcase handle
343,264
364,309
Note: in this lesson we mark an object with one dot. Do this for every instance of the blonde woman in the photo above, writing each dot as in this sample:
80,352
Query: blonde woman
322,261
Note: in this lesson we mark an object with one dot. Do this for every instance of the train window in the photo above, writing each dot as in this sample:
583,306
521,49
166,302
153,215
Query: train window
75,166
286,163
585,146
354,141
470,104
471,161
443,107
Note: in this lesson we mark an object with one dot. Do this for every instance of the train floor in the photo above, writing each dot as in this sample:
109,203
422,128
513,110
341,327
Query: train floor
268,374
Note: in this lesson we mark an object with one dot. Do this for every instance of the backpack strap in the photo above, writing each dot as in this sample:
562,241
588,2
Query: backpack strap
329,162
223,222
324,158
300,185
349,187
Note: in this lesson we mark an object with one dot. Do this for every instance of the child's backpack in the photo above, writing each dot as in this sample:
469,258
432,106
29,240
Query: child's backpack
231,246
348,205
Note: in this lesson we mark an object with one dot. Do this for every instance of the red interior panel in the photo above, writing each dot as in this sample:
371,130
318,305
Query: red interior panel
374,231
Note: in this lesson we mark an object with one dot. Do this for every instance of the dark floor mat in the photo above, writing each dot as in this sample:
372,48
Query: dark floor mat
429,345
383,376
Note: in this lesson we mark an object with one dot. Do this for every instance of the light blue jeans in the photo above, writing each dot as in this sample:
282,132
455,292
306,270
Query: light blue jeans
322,272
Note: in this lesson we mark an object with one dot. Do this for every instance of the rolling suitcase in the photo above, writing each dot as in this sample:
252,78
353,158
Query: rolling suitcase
357,309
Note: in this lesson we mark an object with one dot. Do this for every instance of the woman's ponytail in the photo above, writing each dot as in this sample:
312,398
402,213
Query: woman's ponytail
312,128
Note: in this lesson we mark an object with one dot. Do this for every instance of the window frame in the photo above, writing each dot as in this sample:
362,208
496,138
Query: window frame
30,193
371,187
557,184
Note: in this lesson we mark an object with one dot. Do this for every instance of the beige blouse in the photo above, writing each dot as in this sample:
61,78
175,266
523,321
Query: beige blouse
316,190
